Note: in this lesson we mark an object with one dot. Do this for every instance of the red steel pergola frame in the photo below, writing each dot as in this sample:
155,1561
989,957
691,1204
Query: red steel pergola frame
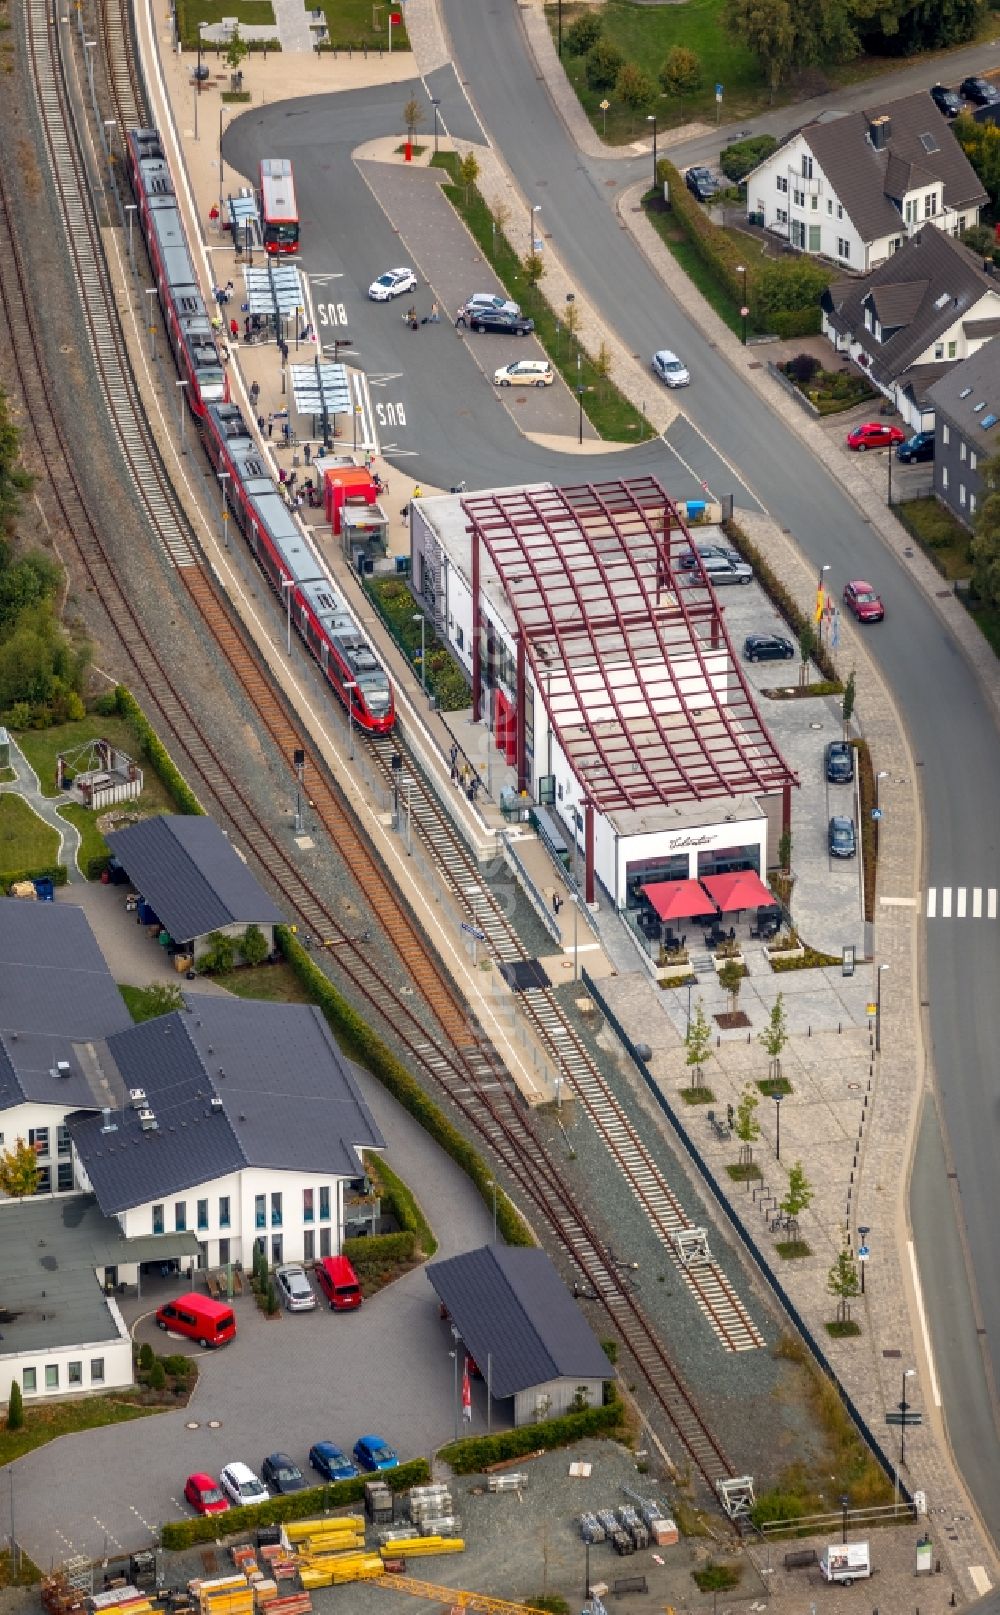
601,603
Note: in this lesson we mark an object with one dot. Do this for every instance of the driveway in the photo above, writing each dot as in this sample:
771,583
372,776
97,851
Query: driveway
314,1376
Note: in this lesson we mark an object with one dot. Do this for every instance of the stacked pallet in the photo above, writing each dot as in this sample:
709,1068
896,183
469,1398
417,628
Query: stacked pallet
326,1535
224,1595
378,1502
124,1600
336,1569
417,1546
279,1561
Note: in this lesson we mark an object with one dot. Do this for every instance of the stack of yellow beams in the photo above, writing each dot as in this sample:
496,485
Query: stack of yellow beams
310,1530
228,1595
415,1547
334,1569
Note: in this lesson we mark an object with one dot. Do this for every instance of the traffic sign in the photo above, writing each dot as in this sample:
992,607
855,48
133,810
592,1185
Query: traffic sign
876,814
863,1253
871,1009
718,92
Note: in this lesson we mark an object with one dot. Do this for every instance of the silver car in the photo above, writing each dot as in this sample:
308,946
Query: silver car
669,369
294,1288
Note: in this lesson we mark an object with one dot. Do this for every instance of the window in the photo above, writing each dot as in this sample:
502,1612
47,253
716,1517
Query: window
202,1213
815,238
799,197
781,215
783,184
807,166
798,235
74,1373
869,318
944,477
309,1246
97,1371
843,247
224,1211
962,450
38,1138
829,206
65,1176
157,1219
324,1202
44,1180
224,1256
276,1249
459,639
930,204
62,1135
180,1216
814,203
939,350
945,435
910,210
275,1211
972,459
961,494
52,1376
325,1246
29,1379
260,1210
308,1205
840,210
952,350
972,504
895,244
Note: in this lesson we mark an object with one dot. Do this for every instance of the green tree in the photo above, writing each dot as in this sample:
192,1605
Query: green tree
571,320
147,1356
220,954
768,30
737,160
731,979
842,1281
985,546
634,88
253,945
19,1170
698,1043
746,1126
159,998
468,173
237,51
15,1407
785,851
807,649
14,480
681,72
272,1299
847,703
157,1376
799,1194
774,1038
534,268
602,364
413,116
604,63
583,33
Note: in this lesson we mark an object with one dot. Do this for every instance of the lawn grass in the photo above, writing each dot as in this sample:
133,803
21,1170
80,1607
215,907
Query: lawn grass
275,984
25,841
842,1328
769,1086
697,1096
939,533
349,23
250,13
92,843
745,1172
792,1250
987,619
611,414
697,271
44,1424
41,746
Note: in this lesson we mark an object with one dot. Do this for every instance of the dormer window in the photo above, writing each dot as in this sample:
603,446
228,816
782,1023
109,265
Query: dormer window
869,318
930,204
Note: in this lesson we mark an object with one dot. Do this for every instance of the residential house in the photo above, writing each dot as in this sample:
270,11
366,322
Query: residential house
913,318
194,880
967,413
855,187
234,1120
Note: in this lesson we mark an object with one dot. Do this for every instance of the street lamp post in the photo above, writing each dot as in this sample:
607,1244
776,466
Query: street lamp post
151,293
454,1357
223,477
777,1097
883,773
820,598
570,300
579,394
908,1373
493,1186
419,617
288,585
531,227
845,1503
741,269
435,103
350,686
130,209
182,412
863,1232
576,901
222,113
559,28
878,1008
651,118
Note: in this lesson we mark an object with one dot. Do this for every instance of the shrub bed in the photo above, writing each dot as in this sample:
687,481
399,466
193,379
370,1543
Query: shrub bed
177,1534
809,959
56,873
402,1204
396,604
473,1456
796,618
867,791
359,1040
152,749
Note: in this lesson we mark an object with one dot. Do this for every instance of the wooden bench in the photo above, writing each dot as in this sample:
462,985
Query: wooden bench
800,1558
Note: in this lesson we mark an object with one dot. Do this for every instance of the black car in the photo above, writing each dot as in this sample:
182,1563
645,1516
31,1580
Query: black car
918,447
500,319
702,183
946,101
839,762
841,839
280,1475
688,560
980,91
768,648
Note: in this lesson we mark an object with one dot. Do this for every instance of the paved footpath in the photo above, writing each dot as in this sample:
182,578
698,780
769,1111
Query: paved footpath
27,787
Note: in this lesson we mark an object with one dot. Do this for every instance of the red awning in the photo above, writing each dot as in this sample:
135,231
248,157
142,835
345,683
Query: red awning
742,889
678,899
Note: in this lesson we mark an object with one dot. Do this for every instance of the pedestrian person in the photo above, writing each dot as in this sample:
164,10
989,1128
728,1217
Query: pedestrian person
282,475
418,492
261,423
254,393
234,329
557,902
270,426
453,758
220,296
307,451
286,432
434,317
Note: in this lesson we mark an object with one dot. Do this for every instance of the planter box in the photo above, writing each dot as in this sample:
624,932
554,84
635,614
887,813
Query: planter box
667,975
786,953
731,958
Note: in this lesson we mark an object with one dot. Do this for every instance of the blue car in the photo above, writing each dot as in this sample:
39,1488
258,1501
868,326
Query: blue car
841,839
330,1462
371,1452
918,447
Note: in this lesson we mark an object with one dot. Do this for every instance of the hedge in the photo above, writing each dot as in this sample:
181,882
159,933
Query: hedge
793,614
473,1456
403,1205
56,873
176,1534
380,1248
361,1043
152,749
97,865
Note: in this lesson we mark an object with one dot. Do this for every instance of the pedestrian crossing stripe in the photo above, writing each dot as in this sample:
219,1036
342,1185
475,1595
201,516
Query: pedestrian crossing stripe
961,903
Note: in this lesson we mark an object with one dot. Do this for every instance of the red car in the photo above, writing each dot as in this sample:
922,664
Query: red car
874,435
203,1493
861,598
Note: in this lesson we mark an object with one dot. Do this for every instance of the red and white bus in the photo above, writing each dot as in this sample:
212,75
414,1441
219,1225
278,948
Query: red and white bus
277,205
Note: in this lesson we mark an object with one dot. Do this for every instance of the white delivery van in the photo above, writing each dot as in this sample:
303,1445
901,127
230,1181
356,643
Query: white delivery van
846,1562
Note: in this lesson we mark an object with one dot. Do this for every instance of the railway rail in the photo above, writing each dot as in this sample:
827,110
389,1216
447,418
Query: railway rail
455,1055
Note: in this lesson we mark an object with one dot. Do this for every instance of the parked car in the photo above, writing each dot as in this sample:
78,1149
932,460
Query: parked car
203,1493
861,599
242,1486
524,373
669,368
768,648
339,1283
210,1323
480,302
330,1462
839,762
946,101
702,183
392,284
874,435
980,91
720,569
508,321
918,447
840,838
687,558
280,1475
371,1452
294,1288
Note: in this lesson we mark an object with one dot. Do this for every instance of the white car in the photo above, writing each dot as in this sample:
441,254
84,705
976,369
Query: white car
669,368
242,1486
525,373
392,284
294,1288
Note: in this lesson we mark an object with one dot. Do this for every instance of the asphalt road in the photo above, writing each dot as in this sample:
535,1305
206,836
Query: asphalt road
728,441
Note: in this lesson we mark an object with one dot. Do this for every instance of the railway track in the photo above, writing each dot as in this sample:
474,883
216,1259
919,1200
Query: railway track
455,1055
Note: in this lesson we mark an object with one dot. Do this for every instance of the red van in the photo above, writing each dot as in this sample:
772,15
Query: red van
210,1323
339,1283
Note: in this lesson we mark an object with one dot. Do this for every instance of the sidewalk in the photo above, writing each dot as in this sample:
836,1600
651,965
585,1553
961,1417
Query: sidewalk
26,785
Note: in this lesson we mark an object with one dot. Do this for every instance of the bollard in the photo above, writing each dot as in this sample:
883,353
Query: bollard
748,1040
810,1032
840,1028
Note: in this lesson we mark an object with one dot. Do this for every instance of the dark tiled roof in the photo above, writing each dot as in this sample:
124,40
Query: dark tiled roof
952,282
191,876
896,305
979,378
284,1099
866,181
981,328
510,1305
920,378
